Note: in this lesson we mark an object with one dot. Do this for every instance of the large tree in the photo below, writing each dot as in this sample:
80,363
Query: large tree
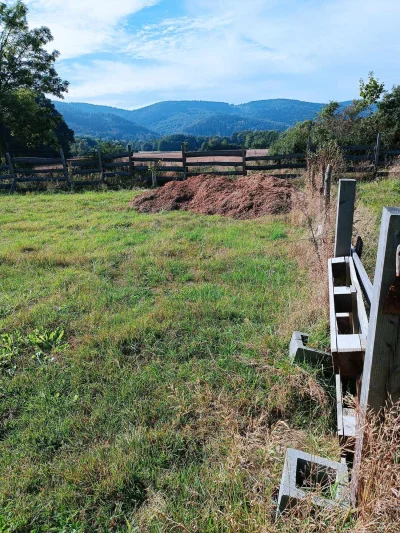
27,73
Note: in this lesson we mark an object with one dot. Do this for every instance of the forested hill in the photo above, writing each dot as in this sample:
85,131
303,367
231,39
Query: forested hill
191,117
107,125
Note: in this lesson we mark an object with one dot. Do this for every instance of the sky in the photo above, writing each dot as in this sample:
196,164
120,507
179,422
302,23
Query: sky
133,53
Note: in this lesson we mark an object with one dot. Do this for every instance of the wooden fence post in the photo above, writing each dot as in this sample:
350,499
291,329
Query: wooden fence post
381,377
377,151
100,165
244,152
327,186
131,169
154,175
345,216
12,172
65,168
184,161
381,373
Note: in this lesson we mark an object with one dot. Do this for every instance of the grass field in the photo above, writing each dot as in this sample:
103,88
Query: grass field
145,383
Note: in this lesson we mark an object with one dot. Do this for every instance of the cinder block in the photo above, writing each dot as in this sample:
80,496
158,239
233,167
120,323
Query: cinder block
312,478
346,416
300,353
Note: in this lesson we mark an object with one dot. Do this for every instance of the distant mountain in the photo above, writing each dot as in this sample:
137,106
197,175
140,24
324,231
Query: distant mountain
226,125
103,125
282,110
189,117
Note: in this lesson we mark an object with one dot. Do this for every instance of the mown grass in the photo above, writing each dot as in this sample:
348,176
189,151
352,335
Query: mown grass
145,383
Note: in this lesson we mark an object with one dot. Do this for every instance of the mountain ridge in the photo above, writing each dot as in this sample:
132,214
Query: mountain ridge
193,117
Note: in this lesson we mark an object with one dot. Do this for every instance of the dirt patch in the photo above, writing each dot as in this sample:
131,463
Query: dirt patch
243,198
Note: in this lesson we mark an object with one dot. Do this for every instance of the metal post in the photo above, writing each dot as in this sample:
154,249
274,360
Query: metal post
345,216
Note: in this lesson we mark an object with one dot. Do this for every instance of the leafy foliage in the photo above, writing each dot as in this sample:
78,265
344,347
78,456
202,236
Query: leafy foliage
357,123
388,117
371,90
40,344
24,60
294,140
33,122
27,72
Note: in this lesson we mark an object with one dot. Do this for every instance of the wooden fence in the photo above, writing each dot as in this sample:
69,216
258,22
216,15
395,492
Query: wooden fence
365,347
133,168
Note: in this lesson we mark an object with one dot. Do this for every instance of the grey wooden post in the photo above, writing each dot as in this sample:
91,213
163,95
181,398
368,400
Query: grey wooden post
344,218
184,161
381,374
327,185
377,151
381,377
244,161
131,169
65,168
100,165
12,172
154,177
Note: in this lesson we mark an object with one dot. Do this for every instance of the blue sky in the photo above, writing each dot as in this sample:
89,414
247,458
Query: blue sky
131,53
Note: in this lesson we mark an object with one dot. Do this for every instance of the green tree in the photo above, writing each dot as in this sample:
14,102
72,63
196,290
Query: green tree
372,90
293,140
27,72
388,117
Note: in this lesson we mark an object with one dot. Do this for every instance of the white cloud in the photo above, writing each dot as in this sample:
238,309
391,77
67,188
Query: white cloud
81,27
229,50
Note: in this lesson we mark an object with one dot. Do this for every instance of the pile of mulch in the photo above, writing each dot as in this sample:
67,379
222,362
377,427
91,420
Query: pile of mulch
243,198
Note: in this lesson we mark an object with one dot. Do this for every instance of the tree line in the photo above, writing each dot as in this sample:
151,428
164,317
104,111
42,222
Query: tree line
172,143
377,110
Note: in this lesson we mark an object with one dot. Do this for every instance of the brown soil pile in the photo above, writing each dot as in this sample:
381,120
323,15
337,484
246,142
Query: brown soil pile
244,198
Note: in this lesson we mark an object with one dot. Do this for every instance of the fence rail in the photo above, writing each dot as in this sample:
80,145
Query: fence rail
153,169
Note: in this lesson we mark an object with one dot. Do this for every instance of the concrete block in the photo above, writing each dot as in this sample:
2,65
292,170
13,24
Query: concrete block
312,478
346,416
300,353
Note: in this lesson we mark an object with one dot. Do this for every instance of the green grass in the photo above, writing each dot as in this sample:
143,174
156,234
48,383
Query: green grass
144,375
372,197
376,194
